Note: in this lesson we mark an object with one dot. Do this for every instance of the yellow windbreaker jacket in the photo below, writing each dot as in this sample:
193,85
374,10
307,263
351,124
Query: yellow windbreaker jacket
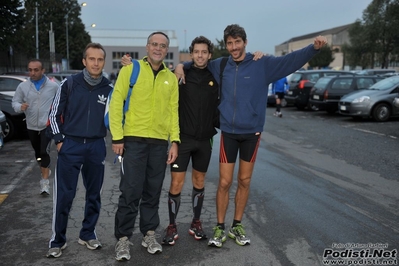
153,107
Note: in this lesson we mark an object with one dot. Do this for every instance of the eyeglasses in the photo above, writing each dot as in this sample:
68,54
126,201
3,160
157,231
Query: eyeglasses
161,45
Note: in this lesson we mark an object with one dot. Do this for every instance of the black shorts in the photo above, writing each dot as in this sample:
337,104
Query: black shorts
230,144
198,150
280,95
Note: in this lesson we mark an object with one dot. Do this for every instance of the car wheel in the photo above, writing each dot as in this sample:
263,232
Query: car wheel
9,131
283,103
381,112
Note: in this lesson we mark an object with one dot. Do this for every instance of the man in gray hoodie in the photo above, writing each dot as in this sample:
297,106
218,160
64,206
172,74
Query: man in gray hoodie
34,98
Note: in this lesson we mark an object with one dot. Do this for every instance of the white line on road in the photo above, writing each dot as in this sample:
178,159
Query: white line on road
16,180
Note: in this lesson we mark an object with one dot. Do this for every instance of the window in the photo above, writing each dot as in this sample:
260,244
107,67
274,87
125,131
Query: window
342,84
9,84
117,56
363,83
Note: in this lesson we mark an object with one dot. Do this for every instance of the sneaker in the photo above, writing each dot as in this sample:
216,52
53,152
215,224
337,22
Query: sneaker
280,114
55,252
275,113
238,233
171,235
122,249
90,244
151,243
196,230
45,187
218,237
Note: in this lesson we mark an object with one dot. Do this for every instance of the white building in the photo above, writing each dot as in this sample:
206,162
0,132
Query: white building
117,42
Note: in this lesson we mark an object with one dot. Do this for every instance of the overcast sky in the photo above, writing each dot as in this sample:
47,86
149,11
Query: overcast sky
267,22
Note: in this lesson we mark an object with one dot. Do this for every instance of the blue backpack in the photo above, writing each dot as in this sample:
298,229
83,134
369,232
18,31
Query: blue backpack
133,79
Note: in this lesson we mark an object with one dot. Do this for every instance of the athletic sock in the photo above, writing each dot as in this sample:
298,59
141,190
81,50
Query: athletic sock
197,198
235,222
173,206
278,106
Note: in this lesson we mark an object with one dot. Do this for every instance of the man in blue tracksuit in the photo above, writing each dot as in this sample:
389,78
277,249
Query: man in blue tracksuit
279,87
77,125
242,117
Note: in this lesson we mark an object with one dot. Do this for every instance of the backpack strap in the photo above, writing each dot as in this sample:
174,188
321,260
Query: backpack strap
133,79
223,63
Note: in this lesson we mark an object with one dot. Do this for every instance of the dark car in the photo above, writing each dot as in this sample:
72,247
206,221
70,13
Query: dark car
301,82
327,91
378,101
375,71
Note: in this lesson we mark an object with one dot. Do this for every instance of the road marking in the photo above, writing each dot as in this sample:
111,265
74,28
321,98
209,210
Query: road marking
3,198
15,181
368,131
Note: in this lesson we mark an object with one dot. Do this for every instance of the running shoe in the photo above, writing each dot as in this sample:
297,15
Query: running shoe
218,238
45,187
151,243
55,252
90,244
238,233
171,235
196,230
122,249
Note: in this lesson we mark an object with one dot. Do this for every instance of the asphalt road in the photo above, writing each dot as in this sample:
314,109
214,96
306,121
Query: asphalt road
320,182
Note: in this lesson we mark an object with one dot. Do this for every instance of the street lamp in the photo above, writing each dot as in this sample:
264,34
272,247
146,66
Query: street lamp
66,27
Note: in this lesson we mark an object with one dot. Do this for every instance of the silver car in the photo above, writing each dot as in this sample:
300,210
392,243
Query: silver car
376,102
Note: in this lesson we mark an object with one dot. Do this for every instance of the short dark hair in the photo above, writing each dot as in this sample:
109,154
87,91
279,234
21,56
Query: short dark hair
36,60
235,31
202,39
93,45
158,32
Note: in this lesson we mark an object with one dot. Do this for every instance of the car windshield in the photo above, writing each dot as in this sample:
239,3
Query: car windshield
385,84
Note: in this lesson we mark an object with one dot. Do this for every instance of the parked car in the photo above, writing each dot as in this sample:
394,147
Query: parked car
3,122
377,102
15,121
327,91
301,83
375,71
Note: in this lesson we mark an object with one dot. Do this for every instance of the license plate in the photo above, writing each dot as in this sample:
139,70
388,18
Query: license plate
316,97
343,108
289,92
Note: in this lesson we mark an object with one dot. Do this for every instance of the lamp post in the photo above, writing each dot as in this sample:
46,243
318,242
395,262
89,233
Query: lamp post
66,28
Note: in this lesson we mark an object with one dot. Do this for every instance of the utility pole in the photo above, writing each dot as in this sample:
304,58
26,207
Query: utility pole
37,35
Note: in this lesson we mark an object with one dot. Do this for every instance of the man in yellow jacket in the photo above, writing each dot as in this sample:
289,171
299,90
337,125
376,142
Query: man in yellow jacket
151,122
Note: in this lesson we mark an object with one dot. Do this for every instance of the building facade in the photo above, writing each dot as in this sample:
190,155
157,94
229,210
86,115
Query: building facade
118,42
336,37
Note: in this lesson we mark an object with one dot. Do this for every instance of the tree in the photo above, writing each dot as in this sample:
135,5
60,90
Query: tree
11,18
219,49
323,58
53,12
374,38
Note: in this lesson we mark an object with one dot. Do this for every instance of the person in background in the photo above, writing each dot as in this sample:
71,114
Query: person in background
279,87
142,142
242,117
78,129
34,98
